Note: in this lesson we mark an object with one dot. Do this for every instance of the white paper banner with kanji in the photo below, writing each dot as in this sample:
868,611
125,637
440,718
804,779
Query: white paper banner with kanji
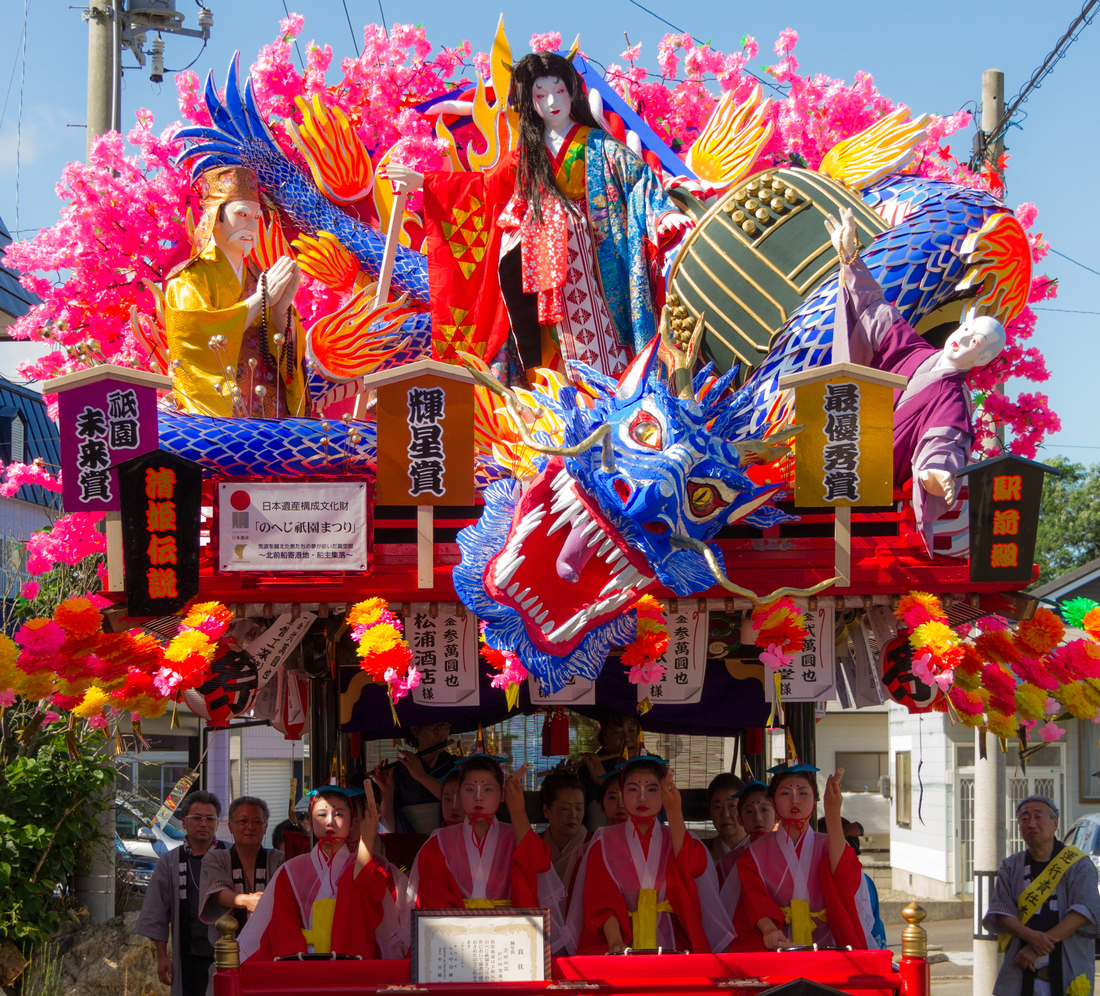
444,649
272,647
576,691
811,676
685,660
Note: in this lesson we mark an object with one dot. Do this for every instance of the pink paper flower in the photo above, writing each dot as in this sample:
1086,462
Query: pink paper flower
51,717
166,681
647,673
40,636
774,657
98,721
1051,732
992,624
29,590
7,698
400,687
548,42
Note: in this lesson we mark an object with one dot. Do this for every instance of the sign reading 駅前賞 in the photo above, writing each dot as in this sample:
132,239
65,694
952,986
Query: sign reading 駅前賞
160,532
294,525
1005,495
106,416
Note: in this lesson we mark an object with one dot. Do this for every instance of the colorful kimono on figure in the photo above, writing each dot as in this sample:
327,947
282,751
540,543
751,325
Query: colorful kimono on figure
790,883
316,905
574,288
727,864
660,899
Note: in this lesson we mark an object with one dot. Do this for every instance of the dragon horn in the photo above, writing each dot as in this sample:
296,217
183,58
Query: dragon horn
574,49
689,543
514,405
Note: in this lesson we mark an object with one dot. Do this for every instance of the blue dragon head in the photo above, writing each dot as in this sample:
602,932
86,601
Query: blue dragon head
642,476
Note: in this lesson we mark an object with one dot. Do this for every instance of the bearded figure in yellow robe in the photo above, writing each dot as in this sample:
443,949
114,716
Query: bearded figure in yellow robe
234,337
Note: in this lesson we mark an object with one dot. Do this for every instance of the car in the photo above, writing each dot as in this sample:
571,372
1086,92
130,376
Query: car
1084,834
139,841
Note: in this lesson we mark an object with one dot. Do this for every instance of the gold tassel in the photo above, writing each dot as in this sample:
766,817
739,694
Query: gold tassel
175,713
119,748
393,712
141,741
479,743
792,754
644,706
511,696
460,751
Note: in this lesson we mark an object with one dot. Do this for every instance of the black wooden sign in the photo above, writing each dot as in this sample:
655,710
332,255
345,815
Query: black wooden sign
1005,494
161,505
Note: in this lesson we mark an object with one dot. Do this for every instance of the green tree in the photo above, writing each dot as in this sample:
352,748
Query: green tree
1069,519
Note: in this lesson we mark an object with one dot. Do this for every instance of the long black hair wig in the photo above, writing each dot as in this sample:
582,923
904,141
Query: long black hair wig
536,171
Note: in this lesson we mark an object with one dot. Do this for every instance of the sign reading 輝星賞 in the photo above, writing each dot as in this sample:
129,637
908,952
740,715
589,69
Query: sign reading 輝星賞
294,526
102,425
444,649
160,532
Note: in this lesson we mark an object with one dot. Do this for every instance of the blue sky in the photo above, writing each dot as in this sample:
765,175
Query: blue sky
929,56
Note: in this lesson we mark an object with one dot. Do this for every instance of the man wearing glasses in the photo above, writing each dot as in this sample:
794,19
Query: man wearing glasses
171,906
233,880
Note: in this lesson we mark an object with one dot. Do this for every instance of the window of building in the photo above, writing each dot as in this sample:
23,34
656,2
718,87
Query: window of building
863,769
18,438
903,780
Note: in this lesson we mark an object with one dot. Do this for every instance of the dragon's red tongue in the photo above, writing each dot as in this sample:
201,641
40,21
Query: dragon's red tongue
576,552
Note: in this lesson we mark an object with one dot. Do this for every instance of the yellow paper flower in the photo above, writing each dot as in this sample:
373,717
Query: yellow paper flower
1079,986
1080,698
366,613
94,701
378,639
9,654
935,636
1031,701
190,642
1001,725
35,686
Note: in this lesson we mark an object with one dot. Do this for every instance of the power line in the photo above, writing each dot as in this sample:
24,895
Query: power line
351,30
301,61
14,65
1072,260
1067,311
19,118
382,14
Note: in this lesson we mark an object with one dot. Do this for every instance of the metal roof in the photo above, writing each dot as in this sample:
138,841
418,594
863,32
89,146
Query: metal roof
41,438
15,299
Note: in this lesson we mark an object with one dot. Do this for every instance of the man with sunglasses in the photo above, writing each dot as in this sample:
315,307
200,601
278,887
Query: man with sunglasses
172,901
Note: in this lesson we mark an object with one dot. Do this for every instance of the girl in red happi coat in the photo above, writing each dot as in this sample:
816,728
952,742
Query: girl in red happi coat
482,862
334,899
798,886
642,884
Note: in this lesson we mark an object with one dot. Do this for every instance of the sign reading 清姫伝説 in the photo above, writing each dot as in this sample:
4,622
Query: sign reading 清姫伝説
294,526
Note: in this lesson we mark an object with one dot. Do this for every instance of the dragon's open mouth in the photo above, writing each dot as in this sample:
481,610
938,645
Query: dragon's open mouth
564,567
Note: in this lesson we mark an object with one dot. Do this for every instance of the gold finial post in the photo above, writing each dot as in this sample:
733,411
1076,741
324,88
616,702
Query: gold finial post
914,938
227,950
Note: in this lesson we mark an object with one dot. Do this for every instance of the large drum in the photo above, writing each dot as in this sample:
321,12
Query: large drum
756,255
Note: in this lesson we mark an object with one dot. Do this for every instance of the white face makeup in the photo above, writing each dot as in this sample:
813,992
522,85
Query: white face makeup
974,343
331,818
237,231
642,794
794,800
552,102
480,794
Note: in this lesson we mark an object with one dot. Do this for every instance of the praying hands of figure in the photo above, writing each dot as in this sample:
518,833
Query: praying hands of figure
843,232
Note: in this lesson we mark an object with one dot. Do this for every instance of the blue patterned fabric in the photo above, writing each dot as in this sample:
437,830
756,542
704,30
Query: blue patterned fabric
625,203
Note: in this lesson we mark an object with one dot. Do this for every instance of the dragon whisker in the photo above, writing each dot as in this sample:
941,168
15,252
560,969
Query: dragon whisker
689,543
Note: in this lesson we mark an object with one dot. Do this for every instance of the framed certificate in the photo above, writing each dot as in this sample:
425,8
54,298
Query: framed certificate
480,945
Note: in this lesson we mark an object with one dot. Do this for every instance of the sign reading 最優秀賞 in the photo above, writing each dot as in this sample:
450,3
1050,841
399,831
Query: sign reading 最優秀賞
106,416
1005,496
444,648
294,526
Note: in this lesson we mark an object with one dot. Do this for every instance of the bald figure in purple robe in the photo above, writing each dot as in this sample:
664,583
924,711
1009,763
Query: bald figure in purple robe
933,428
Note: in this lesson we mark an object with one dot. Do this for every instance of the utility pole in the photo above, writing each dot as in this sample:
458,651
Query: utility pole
989,761
104,78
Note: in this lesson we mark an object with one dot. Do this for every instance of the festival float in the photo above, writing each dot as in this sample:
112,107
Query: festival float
380,432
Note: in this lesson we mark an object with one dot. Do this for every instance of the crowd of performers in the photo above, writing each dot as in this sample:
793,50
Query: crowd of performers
616,865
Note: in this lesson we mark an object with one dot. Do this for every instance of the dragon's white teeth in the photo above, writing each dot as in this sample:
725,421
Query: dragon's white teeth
566,517
547,627
629,577
614,556
563,498
514,588
535,610
645,582
531,601
540,618
605,546
592,525
505,575
522,595
597,536
561,480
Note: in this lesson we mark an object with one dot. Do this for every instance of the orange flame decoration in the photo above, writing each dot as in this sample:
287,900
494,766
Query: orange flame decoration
324,258
149,329
1000,260
340,165
498,124
272,243
733,137
353,340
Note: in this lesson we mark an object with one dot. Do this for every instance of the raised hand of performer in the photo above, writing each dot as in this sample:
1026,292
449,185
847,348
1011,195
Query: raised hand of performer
674,811
843,233
517,807
383,776
368,830
832,801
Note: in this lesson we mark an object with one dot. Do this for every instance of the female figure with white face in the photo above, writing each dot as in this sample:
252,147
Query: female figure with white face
332,899
798,886
481,862
644,885
575,231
